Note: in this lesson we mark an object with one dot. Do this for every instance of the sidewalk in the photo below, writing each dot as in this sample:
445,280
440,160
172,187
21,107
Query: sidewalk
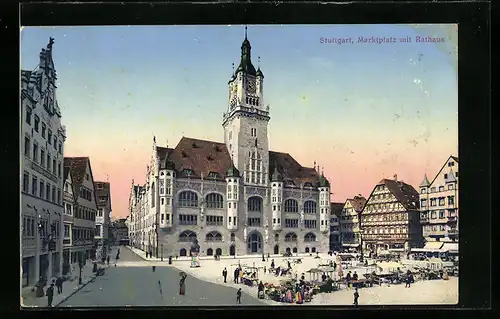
70,287
142,254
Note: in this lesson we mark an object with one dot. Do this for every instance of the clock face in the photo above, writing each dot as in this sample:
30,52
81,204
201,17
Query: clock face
251,86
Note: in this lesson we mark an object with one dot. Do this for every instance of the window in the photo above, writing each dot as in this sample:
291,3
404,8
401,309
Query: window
451,200
87,176
28,115
214,175
44,129
253,222
59,169
99,212
67,231
37,123
291,237
441,188
47,191
35,152
433,202
309,223
254,204
98,230
291,206
34,186
49,137
310,207
291,223
42,189
187,236
48,161
213,236
59,196
441,214
187,172
60,148
27,146
253,132
188,199
214,220
188,219
55,143
42,157
441,201
214,200
54,166
450,186
309,237
26,182
433,215
167,202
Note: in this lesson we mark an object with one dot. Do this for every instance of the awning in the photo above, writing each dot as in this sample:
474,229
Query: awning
450,247
433,245
350,245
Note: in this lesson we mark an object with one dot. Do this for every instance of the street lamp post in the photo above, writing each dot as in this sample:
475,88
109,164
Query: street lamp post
80,265
161,252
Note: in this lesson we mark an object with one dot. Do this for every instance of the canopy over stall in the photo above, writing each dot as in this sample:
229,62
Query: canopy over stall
450,247
434,245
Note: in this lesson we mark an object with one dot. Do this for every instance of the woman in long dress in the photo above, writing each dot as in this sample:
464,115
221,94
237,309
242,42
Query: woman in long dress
182,284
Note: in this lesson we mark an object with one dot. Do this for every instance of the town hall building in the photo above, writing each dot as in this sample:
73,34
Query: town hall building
233,197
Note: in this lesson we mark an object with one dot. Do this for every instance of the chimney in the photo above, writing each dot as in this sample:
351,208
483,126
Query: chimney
396,177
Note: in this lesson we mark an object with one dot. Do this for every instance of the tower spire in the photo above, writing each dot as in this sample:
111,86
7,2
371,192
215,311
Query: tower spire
246,32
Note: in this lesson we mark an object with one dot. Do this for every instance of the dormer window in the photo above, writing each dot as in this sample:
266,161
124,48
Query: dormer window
194,145
308,185
289,182
99,186
214,175
187,172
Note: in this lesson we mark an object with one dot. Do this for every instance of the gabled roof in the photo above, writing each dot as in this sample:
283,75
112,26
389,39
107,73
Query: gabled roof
404,193
65,172
437,174
104,192
357,203
336,208
203,157
425,182
450,177
78,168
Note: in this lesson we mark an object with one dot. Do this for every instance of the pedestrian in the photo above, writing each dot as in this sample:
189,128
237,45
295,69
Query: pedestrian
224,274
59,284
107,259
323,277
356,296
182,284
348,279
50,295
238,296
272,264
146,254
355,276
154,268
236,274
260,290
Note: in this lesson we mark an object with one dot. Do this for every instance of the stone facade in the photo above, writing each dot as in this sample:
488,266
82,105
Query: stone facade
235,197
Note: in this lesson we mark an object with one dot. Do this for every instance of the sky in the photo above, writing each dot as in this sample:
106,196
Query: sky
363,111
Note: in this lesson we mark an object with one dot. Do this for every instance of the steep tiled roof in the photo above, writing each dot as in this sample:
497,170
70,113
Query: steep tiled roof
163,152
336,208
203,157
291,169
65,172
358,202
404,193
78,167
455,158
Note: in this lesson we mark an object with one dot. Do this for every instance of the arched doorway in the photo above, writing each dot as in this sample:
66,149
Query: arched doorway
183,252
210,252
276,249
313,249
255,243
232,250
294,250
288,249
218,252
307,249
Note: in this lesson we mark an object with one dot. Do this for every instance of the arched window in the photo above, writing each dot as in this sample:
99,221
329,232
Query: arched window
213,236
276,237
210,252
188,199
291,237
313,249
309,237
291,206
310,207
187,236
254,204
307,249
294,250
233,236
214,200
218,252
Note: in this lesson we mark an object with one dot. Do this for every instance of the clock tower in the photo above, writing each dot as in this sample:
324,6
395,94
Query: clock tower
246,120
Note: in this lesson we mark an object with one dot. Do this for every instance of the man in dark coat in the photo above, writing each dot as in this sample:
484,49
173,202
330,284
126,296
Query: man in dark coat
50,295
236,275
356,297
107,260
59,284
224,274
238,296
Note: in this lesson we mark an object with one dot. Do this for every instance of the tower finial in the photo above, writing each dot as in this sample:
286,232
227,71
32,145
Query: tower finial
233,68
314,165
258,62
246,31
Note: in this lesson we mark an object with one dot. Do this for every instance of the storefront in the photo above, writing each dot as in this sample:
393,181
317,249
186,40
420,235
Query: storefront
28,276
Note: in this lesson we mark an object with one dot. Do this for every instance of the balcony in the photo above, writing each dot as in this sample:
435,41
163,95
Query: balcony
452,232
